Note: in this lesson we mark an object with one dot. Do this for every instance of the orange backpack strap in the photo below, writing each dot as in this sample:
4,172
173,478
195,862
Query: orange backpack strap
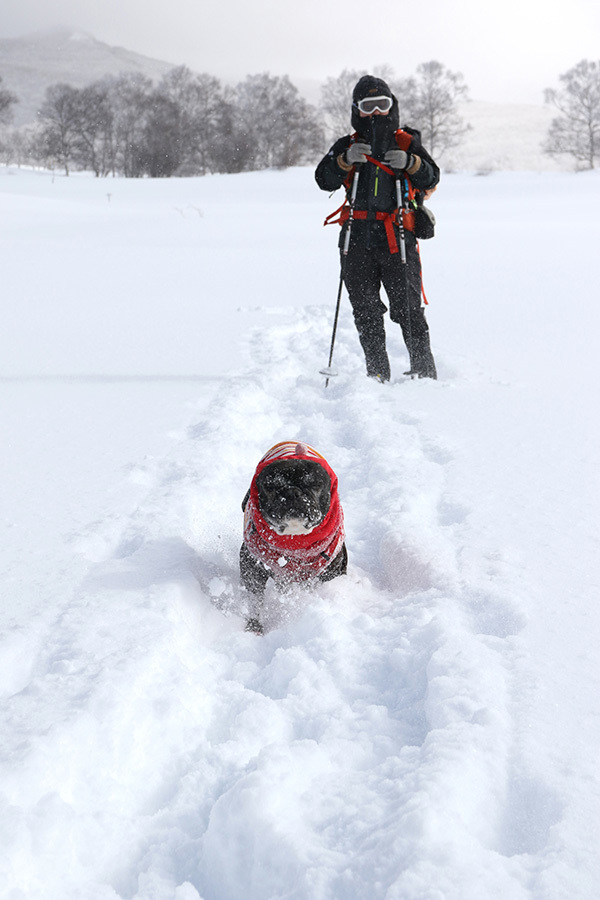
342,213
425,300
380,165
403,139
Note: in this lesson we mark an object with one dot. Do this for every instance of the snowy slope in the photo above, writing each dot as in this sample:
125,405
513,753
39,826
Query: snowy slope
505,137
425,727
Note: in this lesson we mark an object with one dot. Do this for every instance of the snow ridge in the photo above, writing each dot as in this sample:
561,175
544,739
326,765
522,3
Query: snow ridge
364,747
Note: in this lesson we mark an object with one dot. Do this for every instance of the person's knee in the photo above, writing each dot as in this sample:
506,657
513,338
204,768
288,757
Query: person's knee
368,310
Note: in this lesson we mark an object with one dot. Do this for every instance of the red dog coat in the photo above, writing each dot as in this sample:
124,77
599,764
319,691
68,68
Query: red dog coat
298,557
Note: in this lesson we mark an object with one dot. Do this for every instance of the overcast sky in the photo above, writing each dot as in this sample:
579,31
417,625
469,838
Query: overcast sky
508,52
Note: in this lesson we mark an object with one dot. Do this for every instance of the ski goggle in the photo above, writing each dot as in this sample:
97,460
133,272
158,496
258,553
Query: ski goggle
370,104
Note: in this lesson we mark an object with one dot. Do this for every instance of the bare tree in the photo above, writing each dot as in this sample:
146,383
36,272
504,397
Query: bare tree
431,103
130,101
274,126
336,102
202,103
92,145
59,117
576,132
161,152
176,96
214,121
18,146
7,99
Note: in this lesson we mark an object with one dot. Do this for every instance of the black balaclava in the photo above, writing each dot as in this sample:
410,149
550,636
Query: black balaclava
375,130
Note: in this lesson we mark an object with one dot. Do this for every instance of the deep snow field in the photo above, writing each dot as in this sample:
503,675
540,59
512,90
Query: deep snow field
426,727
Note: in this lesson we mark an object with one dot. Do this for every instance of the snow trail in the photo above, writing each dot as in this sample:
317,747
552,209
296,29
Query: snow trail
363,747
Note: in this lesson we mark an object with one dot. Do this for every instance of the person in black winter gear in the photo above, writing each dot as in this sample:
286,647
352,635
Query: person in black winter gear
382,152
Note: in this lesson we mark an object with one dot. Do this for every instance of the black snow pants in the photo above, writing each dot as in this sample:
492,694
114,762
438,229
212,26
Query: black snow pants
366,269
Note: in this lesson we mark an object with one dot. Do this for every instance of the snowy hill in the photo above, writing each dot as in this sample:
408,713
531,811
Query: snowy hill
505,137
424,728
30,64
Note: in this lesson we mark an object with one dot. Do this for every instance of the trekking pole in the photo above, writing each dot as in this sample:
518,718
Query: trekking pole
402,239
328,371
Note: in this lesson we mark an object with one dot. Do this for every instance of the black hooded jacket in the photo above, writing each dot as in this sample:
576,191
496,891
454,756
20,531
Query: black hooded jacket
376,189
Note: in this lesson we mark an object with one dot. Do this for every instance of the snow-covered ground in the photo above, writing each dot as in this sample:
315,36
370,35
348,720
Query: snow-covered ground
426,727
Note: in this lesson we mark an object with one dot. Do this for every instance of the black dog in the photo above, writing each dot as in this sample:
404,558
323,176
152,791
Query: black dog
293,522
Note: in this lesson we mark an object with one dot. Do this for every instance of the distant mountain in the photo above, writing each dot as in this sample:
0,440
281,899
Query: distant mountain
30,64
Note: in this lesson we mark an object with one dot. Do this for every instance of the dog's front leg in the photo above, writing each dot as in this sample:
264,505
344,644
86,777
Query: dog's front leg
254,576
253,622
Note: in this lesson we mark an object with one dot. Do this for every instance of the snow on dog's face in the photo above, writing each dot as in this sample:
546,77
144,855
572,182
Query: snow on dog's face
293,495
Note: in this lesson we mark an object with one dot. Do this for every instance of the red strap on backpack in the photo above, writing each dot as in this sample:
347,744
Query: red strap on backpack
380,165
342,214
403,139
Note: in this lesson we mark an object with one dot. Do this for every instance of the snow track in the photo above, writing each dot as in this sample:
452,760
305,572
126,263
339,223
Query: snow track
424,728
366,746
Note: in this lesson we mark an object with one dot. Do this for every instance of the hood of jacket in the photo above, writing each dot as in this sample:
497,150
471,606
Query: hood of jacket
376,130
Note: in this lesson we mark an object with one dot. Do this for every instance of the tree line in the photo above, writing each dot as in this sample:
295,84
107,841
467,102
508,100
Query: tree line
576,131
186,124
192,124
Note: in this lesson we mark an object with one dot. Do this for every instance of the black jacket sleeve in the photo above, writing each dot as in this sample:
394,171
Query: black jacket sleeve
329,175
427,175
